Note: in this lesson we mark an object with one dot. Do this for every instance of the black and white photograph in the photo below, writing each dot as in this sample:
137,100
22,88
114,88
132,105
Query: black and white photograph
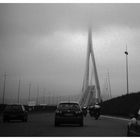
69,69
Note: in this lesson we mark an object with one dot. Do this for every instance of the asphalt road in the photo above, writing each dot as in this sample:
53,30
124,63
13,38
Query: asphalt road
42,125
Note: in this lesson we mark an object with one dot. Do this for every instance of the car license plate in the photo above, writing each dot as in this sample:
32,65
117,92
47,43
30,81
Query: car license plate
68,114
13,115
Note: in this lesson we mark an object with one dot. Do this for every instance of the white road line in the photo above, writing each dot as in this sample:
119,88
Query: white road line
112,117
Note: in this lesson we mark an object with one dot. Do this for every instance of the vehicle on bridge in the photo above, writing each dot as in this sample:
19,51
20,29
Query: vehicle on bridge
133,127
95,111
84,110
15,112
68,113
91,108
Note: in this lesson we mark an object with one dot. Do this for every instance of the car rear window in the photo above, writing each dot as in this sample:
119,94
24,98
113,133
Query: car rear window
72,106
13,107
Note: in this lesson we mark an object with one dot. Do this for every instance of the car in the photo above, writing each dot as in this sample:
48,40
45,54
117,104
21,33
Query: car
68,113
91,110
84,110
15,112
133,127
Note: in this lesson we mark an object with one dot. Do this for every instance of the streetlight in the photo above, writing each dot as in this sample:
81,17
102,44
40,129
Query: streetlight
126,52
29,97
37,95
110,95
19,92
3,98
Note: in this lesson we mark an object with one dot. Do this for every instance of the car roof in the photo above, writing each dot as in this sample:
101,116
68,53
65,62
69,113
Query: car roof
14,105
68,102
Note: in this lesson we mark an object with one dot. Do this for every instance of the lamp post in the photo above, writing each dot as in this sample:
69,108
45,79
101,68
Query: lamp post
126,53
37,102
110,95
29,97
3,98
19,92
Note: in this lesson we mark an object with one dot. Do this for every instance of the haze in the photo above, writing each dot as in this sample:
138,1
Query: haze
45,45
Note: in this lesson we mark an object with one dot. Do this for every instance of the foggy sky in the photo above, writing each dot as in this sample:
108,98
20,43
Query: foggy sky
45,44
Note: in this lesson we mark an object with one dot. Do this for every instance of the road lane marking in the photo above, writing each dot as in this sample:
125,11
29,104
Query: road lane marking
112,117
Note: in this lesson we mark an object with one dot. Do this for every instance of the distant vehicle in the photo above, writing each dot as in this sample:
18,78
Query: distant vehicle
91,110
95,111
84,110
15,112
68,112
133,127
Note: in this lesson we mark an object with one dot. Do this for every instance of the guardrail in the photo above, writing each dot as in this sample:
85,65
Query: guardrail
37,108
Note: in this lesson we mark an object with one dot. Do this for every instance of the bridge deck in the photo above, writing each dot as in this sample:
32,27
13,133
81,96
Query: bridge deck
43,125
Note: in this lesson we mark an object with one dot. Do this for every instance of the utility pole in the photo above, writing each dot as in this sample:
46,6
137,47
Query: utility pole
4,86
29,92
19,92
50,98
53,99
44,91
109,85
127,84
37,95
106,87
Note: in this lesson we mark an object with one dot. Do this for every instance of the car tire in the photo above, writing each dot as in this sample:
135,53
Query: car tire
24,119
96,118
5,120
81,123
56,124
128,132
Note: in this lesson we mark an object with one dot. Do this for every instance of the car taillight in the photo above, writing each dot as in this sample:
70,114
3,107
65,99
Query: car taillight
78,112
58,112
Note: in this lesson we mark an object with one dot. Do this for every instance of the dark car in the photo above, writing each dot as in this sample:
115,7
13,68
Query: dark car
91,110
133,127
15,112
84,110
133,130
68,113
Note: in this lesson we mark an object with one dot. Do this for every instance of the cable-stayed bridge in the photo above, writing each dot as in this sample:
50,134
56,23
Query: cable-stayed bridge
90,93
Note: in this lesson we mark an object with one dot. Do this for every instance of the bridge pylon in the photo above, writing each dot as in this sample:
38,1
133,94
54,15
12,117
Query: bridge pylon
90,93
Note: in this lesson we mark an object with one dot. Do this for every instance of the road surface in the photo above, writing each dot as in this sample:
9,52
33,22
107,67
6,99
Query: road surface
42,125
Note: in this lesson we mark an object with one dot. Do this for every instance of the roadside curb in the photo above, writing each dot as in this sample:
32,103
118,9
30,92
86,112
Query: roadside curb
113,117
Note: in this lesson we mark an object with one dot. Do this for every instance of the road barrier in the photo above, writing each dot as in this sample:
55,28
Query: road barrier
37,108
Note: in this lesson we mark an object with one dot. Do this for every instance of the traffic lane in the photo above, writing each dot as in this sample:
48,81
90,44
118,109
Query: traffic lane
43,125
103,127
34,126
114,127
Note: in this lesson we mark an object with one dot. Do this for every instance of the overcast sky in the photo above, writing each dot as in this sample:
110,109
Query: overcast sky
45,44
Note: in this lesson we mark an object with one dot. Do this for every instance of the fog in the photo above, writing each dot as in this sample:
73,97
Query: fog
45,45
